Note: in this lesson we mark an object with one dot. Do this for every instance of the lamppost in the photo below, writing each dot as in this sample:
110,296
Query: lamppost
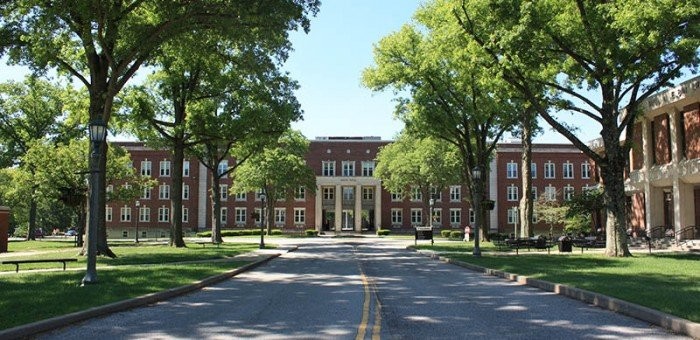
476,182
138,216
262,221
98,133
430,218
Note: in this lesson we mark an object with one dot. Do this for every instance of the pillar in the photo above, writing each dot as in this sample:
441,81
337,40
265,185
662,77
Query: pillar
338,207
318,209
358,208
4,227
377,206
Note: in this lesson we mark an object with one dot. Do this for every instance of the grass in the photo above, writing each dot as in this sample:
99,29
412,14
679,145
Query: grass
669,282
138,270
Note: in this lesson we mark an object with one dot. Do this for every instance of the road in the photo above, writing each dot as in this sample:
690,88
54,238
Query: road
360,289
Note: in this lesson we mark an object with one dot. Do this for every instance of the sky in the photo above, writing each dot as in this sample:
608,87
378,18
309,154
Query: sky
328,63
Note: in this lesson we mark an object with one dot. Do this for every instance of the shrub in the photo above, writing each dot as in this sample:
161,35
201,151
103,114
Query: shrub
445,233
204,234
276,232
311,232
383,232
457,234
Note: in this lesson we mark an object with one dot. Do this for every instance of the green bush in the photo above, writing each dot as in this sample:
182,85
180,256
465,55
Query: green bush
311,232
276,232
383,232
204,234
457,234
445,233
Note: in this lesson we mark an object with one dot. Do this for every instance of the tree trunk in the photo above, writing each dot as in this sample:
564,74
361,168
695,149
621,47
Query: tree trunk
176,237
216,207
526,204
32,214
102,246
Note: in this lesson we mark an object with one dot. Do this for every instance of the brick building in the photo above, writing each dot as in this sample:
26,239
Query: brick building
348,198
663,182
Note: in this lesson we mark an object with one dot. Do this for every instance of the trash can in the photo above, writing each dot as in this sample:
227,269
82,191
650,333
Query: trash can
565,244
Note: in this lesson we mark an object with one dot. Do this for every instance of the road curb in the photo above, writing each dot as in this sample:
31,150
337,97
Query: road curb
34,328
652,316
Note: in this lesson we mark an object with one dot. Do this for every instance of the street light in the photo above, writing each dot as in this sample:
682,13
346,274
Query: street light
98,133
262,221
138,216
432,203
476,183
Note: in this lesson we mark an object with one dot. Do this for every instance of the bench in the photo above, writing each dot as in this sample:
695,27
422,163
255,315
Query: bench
540,243
17,262
204,243
588,243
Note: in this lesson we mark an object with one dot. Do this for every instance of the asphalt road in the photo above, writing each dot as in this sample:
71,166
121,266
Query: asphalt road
357,289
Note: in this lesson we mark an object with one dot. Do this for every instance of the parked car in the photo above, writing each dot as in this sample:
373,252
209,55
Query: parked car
71,232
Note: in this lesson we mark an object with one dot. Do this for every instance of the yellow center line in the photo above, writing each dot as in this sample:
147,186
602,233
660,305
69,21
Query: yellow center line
362,329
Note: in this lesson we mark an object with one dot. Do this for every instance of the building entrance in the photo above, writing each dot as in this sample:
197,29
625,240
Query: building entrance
347,219
328,220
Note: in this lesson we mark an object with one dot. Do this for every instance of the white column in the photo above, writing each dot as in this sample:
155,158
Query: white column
318,209
202,197
648,194
378,206
358,208
338,206
493,195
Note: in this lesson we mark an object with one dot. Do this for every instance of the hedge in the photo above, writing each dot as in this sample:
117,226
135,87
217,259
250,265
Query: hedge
383,232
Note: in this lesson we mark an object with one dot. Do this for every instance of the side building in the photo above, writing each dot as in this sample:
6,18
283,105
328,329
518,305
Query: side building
348,197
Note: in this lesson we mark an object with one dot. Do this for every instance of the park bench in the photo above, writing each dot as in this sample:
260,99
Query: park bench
588,243
18,262
540,243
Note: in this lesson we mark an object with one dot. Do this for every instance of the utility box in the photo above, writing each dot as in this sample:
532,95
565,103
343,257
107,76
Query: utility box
4,228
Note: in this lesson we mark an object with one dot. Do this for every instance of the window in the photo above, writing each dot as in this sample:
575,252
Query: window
299,215
348,168
437,216
472,216
368,168
512,215
328,168
257,194
125,233
108,214
533,170
550,193
163,214
185,192
300,194
125,214
568,193
455,193
397,196
328,193
367,193
416,194
164,168
280,214
241,196
512,193
258,214
585,170
533,193
535,218
455,216
164,192
549,170
512,170
185,215
146,194
348,193
223,192
222,168
144,214
223,215
240,215
416,216
435,194
396,216
568,170
146,168
186,169
109,189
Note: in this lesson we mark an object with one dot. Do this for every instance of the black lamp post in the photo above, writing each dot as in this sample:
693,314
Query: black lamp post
262,221
138,216
476,183
98,133
430,218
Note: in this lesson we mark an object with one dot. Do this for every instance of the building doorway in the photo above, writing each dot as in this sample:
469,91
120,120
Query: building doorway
347,220
328,220
668,210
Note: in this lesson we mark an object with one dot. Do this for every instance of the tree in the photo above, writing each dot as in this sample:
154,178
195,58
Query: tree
280,170
585,207
574,48
549,210
30,112
252,113
103,43
452,98
426,164
528,129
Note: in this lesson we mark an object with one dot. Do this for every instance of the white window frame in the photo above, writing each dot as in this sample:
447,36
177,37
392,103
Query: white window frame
222,168
223,215
512,215
549,170
455,216
585,170
163,214
437,216
455,193
108,214
348,193
472,216
146,194
368,168
241,197
144,214
185,215
367,193
125,214
511,170
164,192
533,170
567,170
300,194
416,216
416,194
348,168
186,169
185,192
280,215
397,196
512,193
146,168
550,193
329,193
435,194
328,168
299,215
223,192
396,216
164,167
569,192
241,214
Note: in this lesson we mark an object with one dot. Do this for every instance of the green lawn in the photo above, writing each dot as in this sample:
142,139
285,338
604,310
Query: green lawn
669,282
138,270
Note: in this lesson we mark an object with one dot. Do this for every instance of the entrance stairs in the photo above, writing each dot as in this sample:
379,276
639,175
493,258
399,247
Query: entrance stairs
666,243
